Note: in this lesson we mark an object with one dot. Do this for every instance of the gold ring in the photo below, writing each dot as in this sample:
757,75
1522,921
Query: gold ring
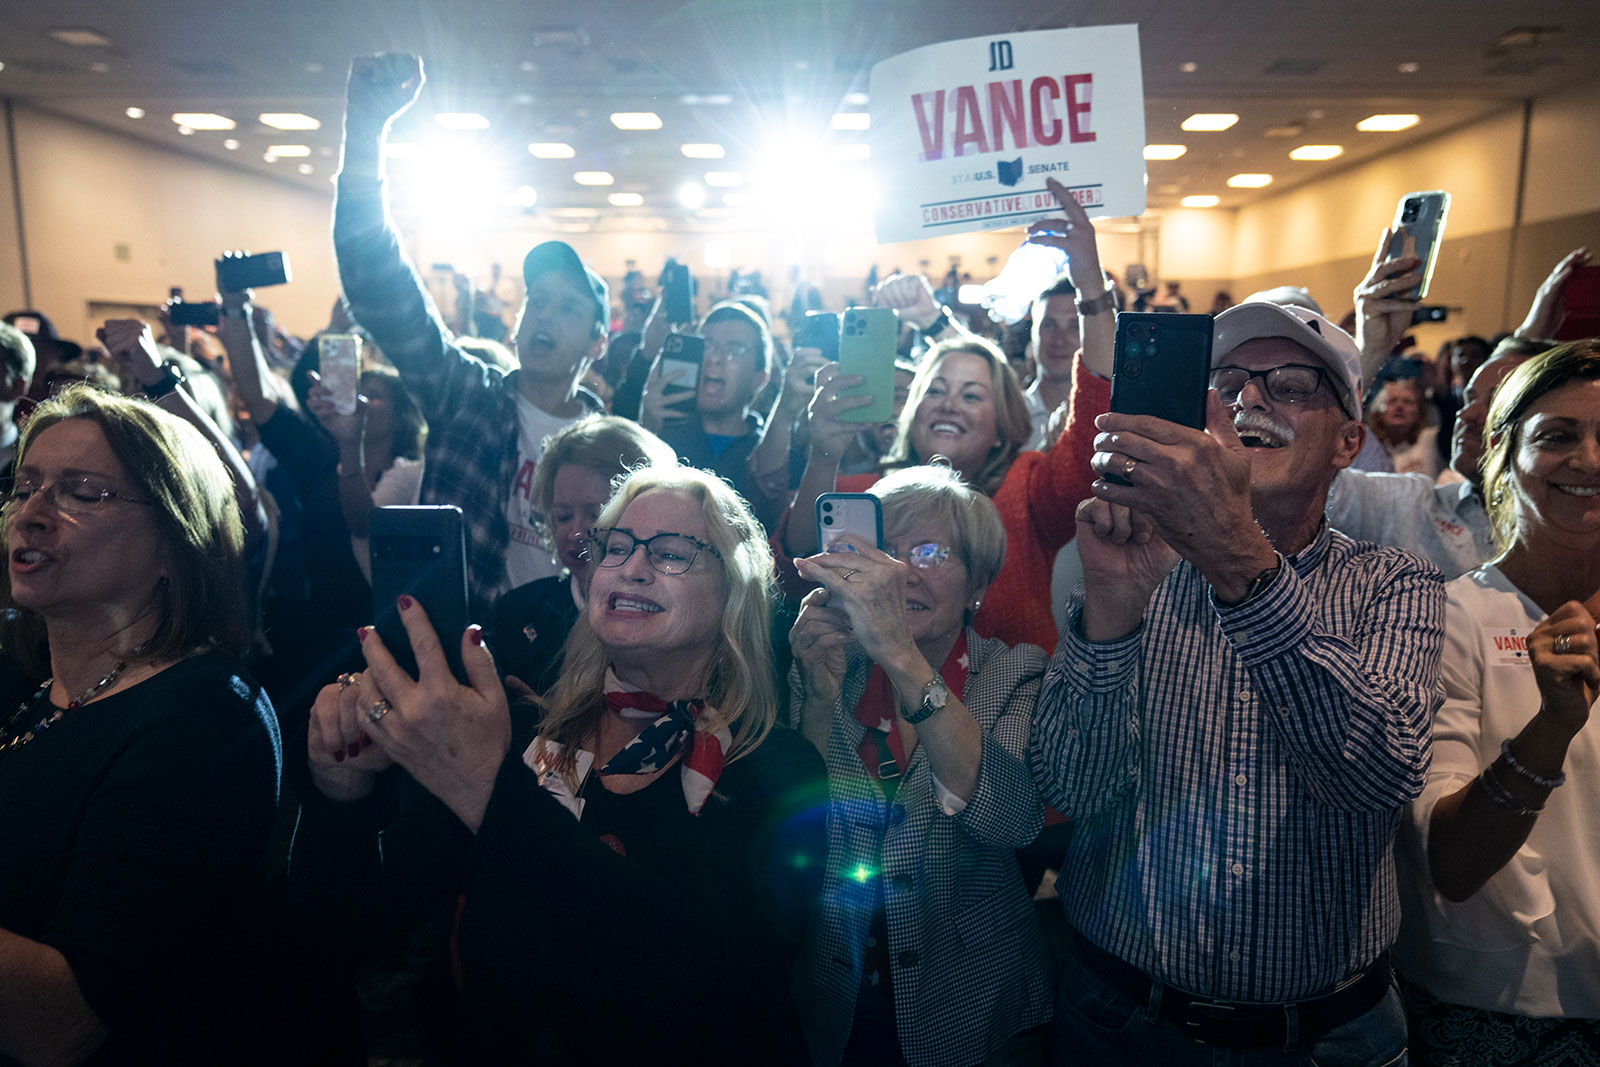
1128,464
850,574
379,710
1563,644
346,678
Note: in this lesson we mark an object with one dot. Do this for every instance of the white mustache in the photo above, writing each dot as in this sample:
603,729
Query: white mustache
1261,420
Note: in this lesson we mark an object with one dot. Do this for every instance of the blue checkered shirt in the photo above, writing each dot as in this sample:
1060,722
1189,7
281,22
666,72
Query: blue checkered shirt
1237,774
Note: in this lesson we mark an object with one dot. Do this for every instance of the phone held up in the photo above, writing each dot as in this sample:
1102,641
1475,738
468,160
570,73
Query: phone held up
420,552
1422,216
860,514
820,330
339,366
867,339
1162,367
684,353
677,293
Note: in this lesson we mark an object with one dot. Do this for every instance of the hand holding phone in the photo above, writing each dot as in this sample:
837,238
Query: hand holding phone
1420,216
339,366
859,514
420,552
867,350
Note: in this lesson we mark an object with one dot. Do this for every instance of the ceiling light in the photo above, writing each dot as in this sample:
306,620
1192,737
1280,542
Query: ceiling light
527,195
134,112
852,152
855,100
1210,123
575,212
1249,181
1317,151
461,120
186,131
551,150
305,168
231,145
705,99
1164,151
289,151
1285,129
692,195
703,151
203,120
593,177
100,68
724,179
1201,201
625,200
1409,68
636,120
852,120
80,37
1189,67
1387,123
289,120
268,157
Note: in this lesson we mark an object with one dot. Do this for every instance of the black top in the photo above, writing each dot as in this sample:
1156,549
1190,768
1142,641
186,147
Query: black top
135,844
531,623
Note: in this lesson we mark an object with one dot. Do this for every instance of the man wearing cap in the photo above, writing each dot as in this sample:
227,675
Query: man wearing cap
1236,718
486,428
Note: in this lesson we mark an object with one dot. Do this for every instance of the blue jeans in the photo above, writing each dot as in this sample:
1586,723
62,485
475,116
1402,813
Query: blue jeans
1101,1026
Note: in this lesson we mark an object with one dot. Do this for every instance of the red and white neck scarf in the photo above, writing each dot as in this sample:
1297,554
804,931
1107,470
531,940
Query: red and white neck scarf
677,725
876,710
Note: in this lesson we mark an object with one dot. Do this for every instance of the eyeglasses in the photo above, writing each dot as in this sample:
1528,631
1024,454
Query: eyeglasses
730,350
69,496
669,553
925,556
1292,383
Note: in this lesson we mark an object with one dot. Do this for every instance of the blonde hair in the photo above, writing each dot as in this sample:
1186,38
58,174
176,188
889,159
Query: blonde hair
607,444
1011,419
740,691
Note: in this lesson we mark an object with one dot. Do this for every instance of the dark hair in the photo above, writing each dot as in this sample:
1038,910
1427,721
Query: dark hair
177,472
1575,361
408,430
738,311
1011,418
1062,286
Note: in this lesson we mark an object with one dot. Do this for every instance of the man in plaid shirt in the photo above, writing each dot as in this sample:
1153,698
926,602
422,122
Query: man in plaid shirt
486,428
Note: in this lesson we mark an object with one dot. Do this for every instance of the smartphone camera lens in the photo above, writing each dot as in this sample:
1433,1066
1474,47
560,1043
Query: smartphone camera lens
827,506
827,520
1134,368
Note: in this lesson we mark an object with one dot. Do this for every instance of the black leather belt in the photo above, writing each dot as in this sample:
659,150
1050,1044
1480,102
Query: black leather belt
1236,1025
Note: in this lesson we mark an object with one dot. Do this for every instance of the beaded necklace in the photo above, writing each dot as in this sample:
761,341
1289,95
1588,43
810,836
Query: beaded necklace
11,738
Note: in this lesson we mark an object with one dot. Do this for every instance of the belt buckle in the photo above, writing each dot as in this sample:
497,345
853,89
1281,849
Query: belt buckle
888,770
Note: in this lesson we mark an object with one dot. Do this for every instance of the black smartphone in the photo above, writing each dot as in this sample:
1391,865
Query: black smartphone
683,352
421,552
820,329
185,314
1422,216
1430,313
860,514
677,293
237,272
1162,367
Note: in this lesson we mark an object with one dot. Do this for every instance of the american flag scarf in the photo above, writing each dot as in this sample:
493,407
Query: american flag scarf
678,725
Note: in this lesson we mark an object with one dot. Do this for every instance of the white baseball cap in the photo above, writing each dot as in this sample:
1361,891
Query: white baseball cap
1257,318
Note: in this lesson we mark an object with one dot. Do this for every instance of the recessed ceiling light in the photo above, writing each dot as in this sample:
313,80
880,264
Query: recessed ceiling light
703,151
1387,123
1201,201
100,68
527,195
461,120
551,150
1285,129
80,37
1249,181
1164,151
289,151
855,99
186,131
1317,151
724,179
305,168
705,99
593,177
852,152
636,120
203,120
134,112
1409,68
231,145
625,200
1210,123
1189,67
289,120
268,157
692,195
852,120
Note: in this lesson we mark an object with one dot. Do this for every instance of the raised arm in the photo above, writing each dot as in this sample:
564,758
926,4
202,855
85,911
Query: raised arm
1382,314
1545,315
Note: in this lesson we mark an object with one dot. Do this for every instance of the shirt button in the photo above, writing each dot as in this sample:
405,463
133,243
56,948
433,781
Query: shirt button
897,815
1234,955
1239,779
909,958
1237,869
872,942
1244,696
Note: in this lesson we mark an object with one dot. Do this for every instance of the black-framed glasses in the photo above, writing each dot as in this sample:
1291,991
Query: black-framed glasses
926,556
733,351
669,553
69,496
1292,383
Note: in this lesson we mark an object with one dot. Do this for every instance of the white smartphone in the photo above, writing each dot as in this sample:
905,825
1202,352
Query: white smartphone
339,363
860,514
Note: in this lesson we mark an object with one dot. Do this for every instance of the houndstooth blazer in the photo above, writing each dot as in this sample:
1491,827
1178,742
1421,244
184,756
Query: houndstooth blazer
969,965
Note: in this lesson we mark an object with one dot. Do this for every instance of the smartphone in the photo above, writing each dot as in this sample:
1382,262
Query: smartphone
1581,301
184,314
683,352
1422,216
27,324
677,293
1162,367
849,513
820,329
238,272
420,552
339,365
1430,313
867,338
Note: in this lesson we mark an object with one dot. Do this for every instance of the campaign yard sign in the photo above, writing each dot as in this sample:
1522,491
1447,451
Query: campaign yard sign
965,133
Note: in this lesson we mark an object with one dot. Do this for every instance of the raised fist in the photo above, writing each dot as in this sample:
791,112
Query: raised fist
382,86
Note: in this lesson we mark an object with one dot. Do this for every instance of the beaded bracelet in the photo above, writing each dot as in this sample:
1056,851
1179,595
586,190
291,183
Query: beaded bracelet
1502,797
1525,772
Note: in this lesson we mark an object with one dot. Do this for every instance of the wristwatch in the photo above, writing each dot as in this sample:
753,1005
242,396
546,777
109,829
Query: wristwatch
170,379
935,694
1097,305
939,325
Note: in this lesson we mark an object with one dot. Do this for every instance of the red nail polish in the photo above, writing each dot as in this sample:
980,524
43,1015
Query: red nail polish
361,633
353,751
404,601
475,634
365,740
338,757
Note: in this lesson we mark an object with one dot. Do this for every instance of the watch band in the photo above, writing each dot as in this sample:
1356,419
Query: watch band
1098,305
939,325
935,695
170,379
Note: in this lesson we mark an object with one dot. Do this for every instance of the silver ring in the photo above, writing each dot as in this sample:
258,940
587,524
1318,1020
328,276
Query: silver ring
346,678
379,710
1563,644
1128,464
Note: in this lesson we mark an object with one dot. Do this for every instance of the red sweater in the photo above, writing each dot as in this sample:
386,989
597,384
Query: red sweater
1038,503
